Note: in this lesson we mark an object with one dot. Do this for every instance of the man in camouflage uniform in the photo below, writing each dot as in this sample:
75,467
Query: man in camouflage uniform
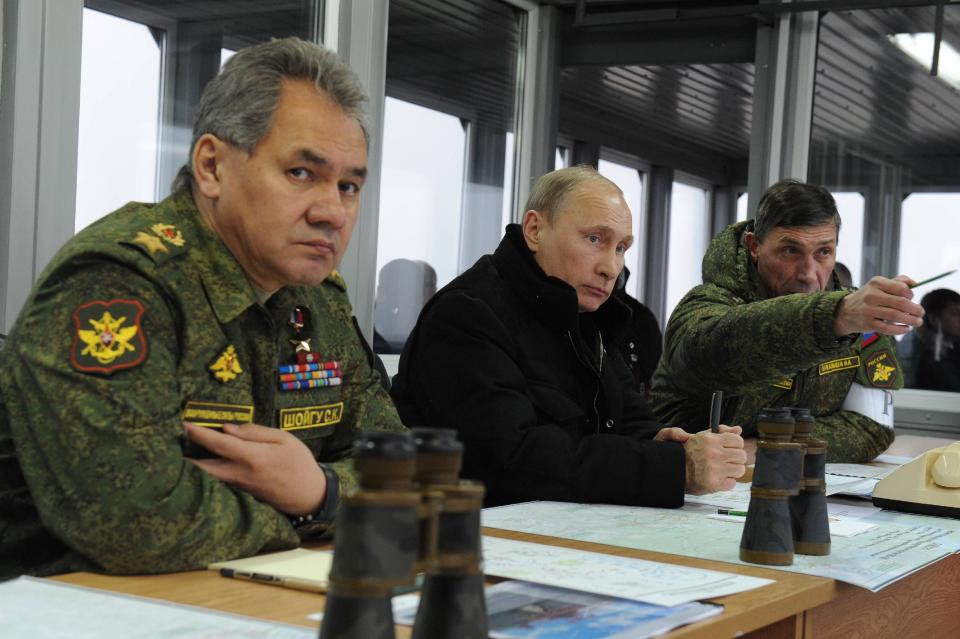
214,322
771,326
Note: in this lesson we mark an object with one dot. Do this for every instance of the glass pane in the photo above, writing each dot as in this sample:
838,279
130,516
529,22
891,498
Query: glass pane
850,243
560,162
742,207
628,179
689,236
447,181
135,121
420,199
931,354
885,127
119,116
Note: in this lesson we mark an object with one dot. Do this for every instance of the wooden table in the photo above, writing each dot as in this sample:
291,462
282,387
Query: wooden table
795,606
775,610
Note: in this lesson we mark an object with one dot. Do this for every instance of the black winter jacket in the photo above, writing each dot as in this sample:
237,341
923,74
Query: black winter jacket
543,405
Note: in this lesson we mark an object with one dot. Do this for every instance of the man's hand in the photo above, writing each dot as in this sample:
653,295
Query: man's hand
750,447
270,464
714,460
882,305
673,434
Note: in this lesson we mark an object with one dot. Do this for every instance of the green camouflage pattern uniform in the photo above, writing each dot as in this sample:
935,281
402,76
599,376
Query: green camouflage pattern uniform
92,470
727,334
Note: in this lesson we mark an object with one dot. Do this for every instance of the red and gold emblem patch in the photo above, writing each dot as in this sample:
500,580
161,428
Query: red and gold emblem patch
882,369
108,336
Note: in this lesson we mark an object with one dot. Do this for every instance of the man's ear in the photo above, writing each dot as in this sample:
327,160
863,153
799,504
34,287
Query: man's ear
533,223
208,155
752,244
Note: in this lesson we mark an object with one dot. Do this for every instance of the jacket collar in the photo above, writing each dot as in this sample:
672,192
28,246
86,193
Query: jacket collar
550,299
226,285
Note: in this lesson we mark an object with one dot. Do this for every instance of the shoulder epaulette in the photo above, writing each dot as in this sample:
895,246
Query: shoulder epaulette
158,240
337,280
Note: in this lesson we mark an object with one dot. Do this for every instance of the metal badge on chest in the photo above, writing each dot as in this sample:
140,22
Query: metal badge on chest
308,369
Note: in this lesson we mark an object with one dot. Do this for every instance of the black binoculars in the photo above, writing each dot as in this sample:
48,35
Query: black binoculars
788,503
410,514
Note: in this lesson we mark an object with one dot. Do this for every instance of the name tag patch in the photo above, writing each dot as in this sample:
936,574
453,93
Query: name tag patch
842,364
786,384
311,416
213,415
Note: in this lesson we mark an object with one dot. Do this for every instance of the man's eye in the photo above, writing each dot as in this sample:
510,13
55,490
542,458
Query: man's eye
299,173
350,188
621,249
826,252
593,239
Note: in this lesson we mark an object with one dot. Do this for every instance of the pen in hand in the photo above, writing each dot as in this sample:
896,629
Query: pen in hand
932,279
715,404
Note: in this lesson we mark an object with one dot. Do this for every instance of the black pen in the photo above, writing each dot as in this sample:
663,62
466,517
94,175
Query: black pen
287,582
715,411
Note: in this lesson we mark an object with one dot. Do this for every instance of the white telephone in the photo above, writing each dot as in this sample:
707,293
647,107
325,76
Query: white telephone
929,485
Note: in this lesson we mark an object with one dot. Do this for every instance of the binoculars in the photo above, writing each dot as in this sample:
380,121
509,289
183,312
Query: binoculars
788,503
410,514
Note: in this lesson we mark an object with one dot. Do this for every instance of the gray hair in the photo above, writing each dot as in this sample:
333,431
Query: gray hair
238,105
550,192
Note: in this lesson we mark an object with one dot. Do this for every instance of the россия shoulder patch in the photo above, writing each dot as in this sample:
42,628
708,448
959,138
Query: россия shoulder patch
108,336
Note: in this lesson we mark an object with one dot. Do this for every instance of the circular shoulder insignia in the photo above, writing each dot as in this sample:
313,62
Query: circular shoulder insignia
108,336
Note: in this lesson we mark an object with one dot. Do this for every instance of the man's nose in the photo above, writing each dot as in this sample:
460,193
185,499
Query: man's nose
808,269
610,264
327,207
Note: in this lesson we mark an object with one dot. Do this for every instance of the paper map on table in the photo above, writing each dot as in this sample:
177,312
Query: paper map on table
648,581
42,609
899,545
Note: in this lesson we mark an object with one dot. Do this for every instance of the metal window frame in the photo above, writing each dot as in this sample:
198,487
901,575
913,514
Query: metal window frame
38,141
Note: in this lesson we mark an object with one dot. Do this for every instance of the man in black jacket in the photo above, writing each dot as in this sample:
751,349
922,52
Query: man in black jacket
517,354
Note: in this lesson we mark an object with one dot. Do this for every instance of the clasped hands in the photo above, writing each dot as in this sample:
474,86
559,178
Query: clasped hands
714,460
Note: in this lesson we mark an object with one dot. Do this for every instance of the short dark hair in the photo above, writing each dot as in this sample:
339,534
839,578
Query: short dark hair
936,301
792,204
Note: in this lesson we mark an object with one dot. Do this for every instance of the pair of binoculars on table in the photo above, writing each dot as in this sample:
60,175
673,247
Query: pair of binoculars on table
788,501
411,514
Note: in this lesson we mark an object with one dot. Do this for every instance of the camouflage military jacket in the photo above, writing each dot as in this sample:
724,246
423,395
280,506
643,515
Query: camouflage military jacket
726,334
142,321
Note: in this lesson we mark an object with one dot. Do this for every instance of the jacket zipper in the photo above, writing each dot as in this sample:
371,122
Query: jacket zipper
598,372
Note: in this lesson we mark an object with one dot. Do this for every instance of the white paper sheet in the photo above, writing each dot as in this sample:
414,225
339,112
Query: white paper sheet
43,609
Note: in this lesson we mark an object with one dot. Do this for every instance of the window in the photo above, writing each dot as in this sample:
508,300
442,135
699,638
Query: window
421,192
930,355
143,67
742,207
850,243
689,237
628,179
119,115
448,150
924,254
